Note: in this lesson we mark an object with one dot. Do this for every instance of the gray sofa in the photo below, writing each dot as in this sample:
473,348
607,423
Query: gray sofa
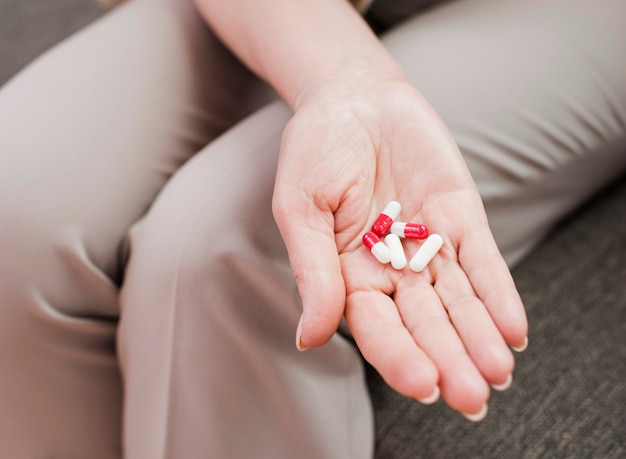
568,398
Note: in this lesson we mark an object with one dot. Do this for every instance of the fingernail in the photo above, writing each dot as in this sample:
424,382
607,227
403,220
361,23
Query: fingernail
505,385
476,417
299,344
521,348
432,398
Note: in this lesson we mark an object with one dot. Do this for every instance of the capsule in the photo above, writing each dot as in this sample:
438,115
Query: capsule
377,247
386,218
398,258
410,230
426,252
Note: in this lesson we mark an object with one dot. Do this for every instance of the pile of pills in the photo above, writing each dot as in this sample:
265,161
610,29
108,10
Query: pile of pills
389,249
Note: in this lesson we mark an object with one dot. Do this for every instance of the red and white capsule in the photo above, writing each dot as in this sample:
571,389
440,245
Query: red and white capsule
386,218
377,247
410,230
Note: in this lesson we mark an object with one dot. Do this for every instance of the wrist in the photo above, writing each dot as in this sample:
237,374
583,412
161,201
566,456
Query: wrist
353,76
333,49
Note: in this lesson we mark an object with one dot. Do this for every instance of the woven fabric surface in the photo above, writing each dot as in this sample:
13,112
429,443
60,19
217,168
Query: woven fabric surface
29,27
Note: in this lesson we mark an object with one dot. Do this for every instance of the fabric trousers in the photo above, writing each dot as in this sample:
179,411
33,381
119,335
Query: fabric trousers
147,305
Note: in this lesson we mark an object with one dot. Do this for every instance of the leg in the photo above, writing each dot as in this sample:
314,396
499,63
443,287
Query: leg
206,281
90,132
209,313
534,94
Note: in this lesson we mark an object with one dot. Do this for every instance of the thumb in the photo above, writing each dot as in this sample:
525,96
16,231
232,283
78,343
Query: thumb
308,233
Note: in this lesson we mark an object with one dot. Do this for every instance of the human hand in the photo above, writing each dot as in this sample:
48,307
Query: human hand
345,154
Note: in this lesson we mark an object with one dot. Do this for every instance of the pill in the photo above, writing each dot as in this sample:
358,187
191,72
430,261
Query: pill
426,252
394,244
410,230
386,218
377,247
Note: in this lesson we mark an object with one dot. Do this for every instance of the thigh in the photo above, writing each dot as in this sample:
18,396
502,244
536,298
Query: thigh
93,129
534,95
209,311
89,133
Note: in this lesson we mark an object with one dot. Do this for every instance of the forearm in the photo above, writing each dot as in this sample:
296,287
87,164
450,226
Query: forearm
300,46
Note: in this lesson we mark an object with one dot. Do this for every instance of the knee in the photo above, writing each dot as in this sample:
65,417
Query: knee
223,253
205,245
211,230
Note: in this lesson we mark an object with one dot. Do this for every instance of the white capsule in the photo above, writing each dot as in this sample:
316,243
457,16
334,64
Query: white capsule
426,252
398,259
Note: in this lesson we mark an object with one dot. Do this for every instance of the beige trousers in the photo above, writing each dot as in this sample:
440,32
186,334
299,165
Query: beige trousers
147,306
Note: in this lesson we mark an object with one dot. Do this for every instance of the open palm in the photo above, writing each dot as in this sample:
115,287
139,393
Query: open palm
344,156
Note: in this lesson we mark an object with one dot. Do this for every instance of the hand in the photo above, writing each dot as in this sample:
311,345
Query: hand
345,154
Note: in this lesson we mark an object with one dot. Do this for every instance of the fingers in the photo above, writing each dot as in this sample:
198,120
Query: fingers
492,282
387,344
424,345
473,324
462,385
308,233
